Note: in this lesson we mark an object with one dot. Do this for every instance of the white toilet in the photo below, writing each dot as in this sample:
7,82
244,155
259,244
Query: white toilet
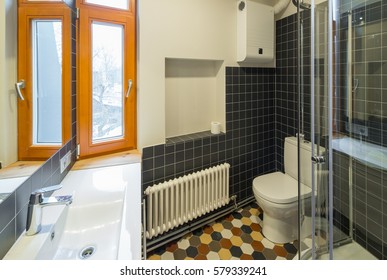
277,194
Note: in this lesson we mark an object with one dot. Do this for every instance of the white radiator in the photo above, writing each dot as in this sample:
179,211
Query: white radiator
175,202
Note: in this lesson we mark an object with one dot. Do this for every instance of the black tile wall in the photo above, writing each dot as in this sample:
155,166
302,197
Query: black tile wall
248,144
369,184
369,70
287,79
13,210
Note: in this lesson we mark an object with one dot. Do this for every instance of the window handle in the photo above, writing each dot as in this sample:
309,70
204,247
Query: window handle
20,85
130,83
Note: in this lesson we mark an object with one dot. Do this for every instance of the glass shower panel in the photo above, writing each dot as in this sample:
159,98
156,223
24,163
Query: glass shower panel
347,52
359,143
314,92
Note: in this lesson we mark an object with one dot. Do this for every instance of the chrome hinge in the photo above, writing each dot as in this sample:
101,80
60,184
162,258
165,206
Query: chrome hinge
78,150
78,11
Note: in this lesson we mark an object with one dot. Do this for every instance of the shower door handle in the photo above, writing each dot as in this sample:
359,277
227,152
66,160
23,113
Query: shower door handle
318,159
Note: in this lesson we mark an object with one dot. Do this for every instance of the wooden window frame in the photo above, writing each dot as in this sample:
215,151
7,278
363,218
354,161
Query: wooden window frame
28,10
127,18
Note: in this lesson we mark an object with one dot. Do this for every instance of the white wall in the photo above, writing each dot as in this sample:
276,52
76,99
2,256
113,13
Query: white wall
8,76
186,29
183,29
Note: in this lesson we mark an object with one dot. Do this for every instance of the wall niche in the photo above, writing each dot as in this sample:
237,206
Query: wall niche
194,95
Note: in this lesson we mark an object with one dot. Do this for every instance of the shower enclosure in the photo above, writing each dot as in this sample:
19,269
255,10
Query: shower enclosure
342,105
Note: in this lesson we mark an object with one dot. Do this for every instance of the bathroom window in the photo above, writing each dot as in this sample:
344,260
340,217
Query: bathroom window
119,4
44,78
107,103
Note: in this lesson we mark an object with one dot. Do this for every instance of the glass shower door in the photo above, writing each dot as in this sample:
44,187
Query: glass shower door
318,95
348,126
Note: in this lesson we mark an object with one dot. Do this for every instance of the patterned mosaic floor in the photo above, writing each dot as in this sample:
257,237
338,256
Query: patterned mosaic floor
235,237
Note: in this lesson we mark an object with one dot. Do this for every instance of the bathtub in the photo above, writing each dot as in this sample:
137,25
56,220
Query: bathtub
102,223
369,154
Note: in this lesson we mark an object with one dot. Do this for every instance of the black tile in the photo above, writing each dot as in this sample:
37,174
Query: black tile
147,152
147,164
7,210
169,159
23,193
7,237
158,161
21,220
158,150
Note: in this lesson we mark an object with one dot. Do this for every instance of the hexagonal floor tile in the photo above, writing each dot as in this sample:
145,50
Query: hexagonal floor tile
224,254
227,225
237,223
218,227
246,257
194,241
246,221
267,243
236,240
280,251
183,244
246,238
236,251
226,233
236,231
256,236
203,249
180,254
225,243
172,247
247,248
192,252
246,229
212,256
205,238
236,236
167,256
245,213
214,246
154,257
290,248
257,246
258,256
237,215
216,236
208,230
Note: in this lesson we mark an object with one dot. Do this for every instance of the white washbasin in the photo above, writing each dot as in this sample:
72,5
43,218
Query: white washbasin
44,244
103,222
9,185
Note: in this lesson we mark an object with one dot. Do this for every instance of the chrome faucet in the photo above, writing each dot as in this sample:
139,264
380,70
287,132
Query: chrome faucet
36,204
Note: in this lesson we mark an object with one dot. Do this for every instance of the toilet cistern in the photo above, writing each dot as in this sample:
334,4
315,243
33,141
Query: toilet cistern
36,204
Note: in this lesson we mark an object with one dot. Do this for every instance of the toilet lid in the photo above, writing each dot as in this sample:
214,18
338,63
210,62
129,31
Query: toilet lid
278,187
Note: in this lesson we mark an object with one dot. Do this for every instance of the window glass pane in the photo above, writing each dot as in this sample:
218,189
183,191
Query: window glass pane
120,4
47,82
107,49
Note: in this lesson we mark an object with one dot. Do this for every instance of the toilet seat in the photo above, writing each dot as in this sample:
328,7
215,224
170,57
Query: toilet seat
279,188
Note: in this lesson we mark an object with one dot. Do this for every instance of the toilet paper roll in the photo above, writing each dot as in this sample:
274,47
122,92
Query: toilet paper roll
215,127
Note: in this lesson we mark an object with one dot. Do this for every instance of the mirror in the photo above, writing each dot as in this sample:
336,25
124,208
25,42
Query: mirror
47,120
